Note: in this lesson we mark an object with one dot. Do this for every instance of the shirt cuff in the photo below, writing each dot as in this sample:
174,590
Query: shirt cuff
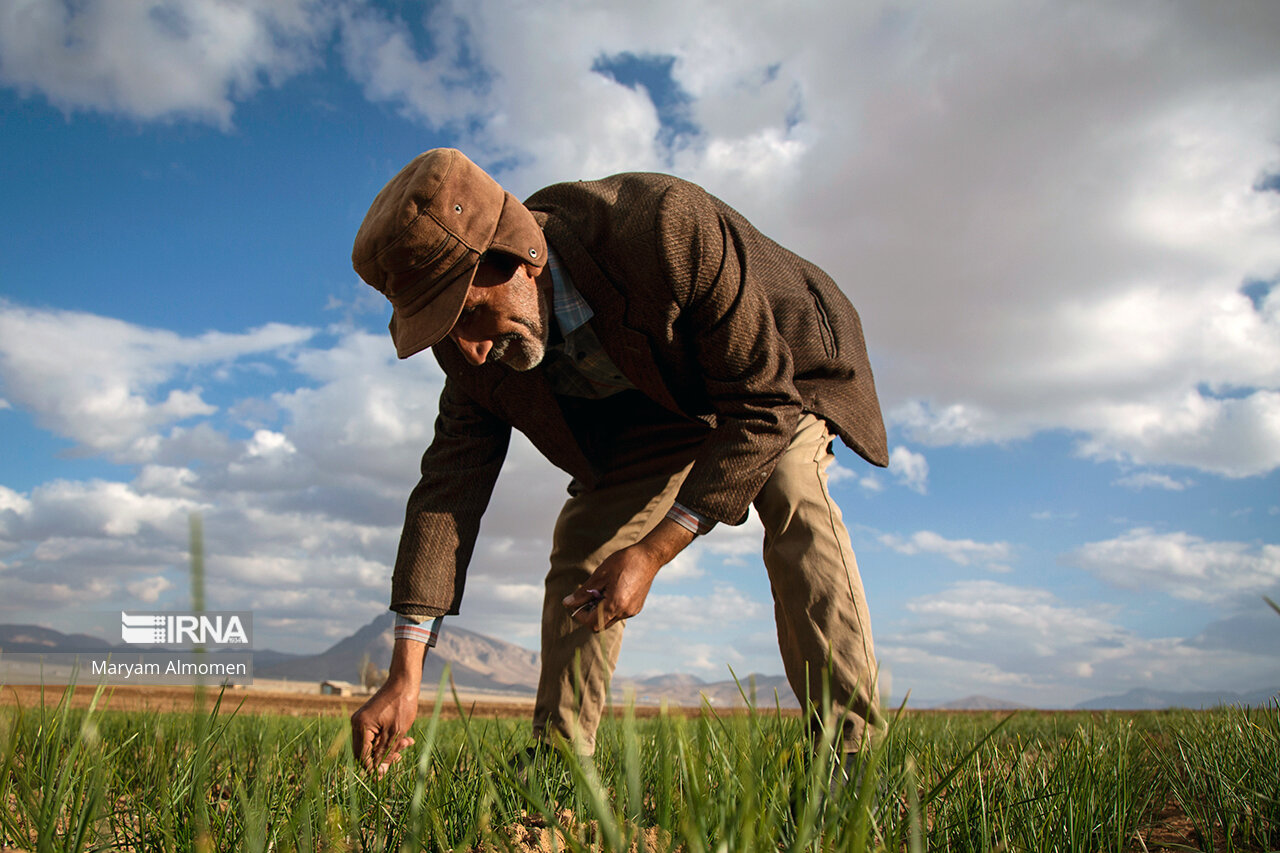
690,520
424,631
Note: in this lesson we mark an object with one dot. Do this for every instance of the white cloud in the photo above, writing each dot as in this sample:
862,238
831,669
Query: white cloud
710,630
302,517
991,555
1025,644
151,59
101,510
1180,564
266,443
148,590
910,468
1100,211
684,567
1151,480
379,52
102,382
1050,515
711,660
1097,167
837,473
12,501
734,544
664,612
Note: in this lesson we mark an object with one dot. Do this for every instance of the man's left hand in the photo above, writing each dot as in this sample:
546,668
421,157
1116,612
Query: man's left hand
618,587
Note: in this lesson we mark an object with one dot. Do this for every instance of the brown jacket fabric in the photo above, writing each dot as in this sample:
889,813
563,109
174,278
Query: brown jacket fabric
702,313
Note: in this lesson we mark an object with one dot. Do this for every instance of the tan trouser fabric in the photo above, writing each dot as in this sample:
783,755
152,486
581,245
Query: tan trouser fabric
824,630
819,605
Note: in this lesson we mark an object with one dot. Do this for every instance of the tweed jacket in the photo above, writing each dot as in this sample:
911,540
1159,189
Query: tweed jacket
702,313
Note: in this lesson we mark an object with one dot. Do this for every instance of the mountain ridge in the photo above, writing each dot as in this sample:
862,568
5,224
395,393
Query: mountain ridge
480,662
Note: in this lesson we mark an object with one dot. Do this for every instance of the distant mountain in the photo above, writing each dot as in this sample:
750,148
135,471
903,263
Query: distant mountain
475,661
676,681
1156,700
689,690
32,639
270,657
980,703
480,662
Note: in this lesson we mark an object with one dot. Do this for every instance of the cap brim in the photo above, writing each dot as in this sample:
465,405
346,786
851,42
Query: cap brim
427,326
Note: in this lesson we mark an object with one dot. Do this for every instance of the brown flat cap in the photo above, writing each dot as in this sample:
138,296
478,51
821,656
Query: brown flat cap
422,239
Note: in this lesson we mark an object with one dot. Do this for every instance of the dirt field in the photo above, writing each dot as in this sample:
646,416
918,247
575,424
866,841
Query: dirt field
264,701
289,703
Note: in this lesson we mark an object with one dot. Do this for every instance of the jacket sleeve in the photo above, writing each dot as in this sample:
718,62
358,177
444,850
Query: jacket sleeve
442,520
745,364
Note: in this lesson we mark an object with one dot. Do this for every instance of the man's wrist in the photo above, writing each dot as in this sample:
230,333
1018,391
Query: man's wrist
407,657
665,541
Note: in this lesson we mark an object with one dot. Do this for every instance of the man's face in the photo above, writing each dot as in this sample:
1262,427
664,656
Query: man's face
504,318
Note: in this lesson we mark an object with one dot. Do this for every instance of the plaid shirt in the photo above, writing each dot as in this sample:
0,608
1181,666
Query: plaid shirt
578,366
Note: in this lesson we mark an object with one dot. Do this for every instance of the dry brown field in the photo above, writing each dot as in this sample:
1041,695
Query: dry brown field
292,702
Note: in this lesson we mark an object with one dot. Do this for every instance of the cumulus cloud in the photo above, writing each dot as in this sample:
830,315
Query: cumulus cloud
993,556
1083,187
1025,644
154,59
711,629
1181,565
107,384
910,468
302,517
1154,306
148,590
694,614
1151,480
732,544
1050,515
1102,204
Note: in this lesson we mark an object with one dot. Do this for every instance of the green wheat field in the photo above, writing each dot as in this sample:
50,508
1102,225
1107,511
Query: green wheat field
215,779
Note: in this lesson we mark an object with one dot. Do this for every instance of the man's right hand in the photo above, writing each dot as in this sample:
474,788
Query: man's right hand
379,730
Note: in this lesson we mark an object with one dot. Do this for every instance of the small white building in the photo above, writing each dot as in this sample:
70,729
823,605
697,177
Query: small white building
337,688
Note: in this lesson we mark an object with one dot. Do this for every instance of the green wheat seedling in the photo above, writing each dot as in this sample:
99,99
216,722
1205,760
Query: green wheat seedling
714,781
1222,769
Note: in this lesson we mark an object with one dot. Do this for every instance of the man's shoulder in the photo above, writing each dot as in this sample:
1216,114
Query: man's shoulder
620,194
613,187
625,207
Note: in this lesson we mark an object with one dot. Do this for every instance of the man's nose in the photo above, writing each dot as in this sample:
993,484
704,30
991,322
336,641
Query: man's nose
474,351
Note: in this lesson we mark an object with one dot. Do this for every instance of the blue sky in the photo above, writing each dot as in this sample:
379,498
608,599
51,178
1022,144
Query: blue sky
1058,223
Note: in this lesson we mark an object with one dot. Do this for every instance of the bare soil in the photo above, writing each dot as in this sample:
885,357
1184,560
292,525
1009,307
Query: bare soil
184,699
256,701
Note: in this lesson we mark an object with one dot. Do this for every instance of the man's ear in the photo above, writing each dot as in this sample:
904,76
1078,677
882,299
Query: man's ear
538,275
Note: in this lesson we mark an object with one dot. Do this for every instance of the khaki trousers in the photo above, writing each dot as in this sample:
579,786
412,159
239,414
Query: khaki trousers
824,632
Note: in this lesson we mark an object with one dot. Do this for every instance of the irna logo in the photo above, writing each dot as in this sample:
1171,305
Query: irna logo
223,628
